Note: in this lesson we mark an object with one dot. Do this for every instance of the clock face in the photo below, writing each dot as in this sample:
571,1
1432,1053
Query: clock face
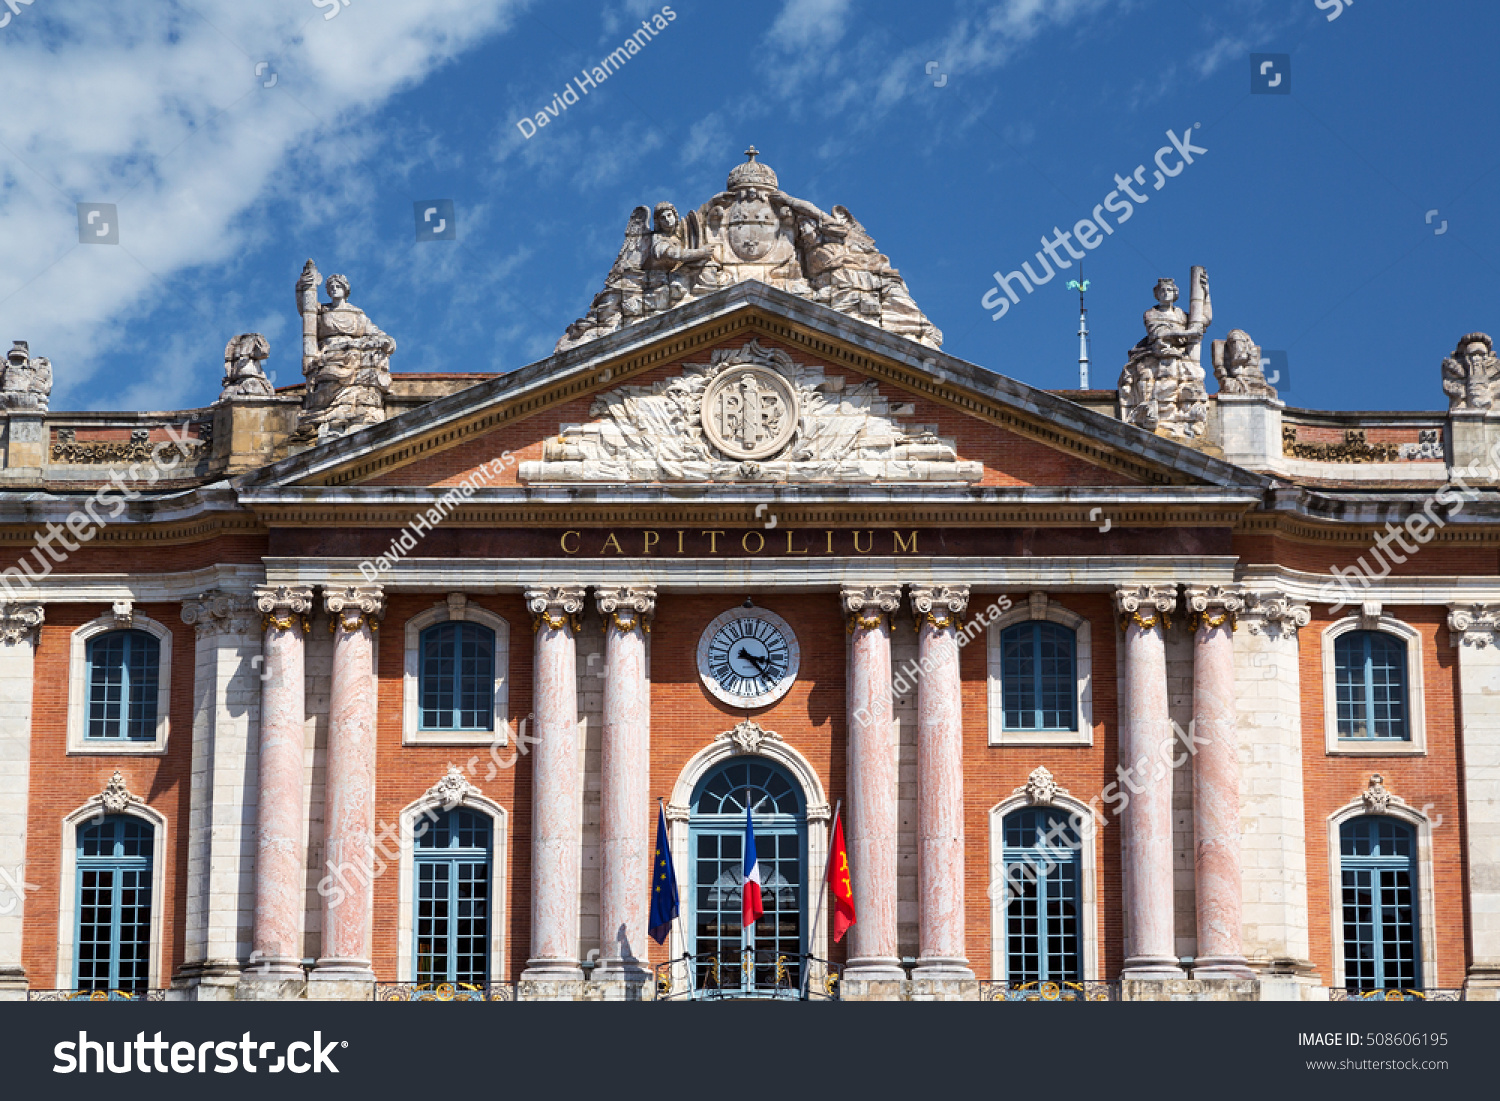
748,657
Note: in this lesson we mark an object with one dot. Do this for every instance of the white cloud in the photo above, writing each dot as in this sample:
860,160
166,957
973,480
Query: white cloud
158,109
804,23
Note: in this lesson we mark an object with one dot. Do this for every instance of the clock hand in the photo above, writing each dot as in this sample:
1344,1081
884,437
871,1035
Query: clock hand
759,663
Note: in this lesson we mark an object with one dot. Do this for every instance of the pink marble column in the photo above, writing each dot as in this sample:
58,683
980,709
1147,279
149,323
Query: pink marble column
349,799
556,823
625,840
280,874
872,818
1146,751
940,783
1216,787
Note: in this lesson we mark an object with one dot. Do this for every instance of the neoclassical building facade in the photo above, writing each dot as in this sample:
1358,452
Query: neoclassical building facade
377,685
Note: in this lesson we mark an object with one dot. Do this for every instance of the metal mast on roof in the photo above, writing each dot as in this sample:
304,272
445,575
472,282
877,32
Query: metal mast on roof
1083,329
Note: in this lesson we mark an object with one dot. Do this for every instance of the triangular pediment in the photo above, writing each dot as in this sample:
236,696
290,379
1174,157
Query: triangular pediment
753,385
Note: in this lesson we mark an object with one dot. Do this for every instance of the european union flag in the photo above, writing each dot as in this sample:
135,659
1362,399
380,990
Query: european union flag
664,908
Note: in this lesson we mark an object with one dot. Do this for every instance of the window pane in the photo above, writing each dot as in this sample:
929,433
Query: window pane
1042,876
452,918
1038,679
113,936
457,677
123,667
1370,685
1379,909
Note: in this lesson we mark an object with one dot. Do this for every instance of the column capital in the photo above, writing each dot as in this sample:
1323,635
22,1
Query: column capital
353,607
1146,606
1473,624
557,606
941,606
283,607
217,612
636,602
1213,606
1272,612
867,606
20,622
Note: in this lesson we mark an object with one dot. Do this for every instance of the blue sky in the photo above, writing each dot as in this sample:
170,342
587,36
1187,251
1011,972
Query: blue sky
1309,210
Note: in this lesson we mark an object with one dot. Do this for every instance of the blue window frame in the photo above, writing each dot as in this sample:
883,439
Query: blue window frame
1042,876
451,861
1038,679
1377,860
114,904
1370,679
122,669
457,677
716,829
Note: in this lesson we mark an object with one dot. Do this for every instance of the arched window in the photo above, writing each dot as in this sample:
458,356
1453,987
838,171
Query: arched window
457,677
1038,681
453,898
1377,861
1370,685
122,669
717,832
1042,880
113,935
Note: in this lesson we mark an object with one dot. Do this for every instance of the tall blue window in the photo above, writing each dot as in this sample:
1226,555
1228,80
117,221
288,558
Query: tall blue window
452,864
1370,678
717,840
114,904
457,677
1042,877
122,685
1377,858
1037,677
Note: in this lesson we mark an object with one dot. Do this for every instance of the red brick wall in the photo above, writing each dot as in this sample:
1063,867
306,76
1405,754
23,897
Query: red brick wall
61,784
1433,781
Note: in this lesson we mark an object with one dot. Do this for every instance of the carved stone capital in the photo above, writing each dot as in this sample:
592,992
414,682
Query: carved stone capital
556,607
353,607
124,613
1041,788
1473,624
1146,606
1214,606
1274,613
869,607
748,736
452,789
627,606
116,796
217,612
20,622
940,606
1377,799
283,607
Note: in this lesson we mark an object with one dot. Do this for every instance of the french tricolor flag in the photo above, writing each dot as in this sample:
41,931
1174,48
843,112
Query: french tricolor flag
751,906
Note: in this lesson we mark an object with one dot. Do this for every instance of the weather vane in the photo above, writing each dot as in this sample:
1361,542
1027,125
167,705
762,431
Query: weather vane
1083,329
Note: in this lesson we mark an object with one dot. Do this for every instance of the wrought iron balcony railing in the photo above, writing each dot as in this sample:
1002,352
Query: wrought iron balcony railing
747,973
1409,994
996,991
96,995
445,992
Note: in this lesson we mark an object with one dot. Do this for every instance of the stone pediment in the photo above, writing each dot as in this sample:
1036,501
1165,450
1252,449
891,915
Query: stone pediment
751,414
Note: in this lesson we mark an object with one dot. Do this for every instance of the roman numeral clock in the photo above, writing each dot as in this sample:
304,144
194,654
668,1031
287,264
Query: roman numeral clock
748,657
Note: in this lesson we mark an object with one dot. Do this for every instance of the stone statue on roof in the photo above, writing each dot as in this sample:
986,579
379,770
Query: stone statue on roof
25,382
750,230
346,360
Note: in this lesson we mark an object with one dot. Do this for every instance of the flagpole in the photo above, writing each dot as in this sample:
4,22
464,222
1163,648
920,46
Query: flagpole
820,914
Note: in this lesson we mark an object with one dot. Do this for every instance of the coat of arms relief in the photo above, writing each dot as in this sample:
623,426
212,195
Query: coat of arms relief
751,414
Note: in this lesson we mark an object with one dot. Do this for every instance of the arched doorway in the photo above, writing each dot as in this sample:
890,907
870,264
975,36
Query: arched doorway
766,958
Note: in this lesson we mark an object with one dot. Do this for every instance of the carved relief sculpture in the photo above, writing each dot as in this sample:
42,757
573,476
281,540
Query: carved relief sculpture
751,230
345,358
25,383
243,375
1161,386
750,414
1237,366
1471,375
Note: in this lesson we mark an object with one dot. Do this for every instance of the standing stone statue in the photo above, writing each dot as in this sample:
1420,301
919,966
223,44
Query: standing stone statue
750,230
346,360
25,383
1161,387
1237,366
1471,375
243,374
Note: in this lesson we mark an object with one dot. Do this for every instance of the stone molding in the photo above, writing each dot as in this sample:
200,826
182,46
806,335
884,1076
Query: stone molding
452,789
1376,798
748,736
116,796
1473,624
1041,788
20,622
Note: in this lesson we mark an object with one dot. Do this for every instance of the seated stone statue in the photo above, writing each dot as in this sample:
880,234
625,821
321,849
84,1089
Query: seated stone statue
1161,386
243,375
346,361
1471,375
26,383
1237,366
